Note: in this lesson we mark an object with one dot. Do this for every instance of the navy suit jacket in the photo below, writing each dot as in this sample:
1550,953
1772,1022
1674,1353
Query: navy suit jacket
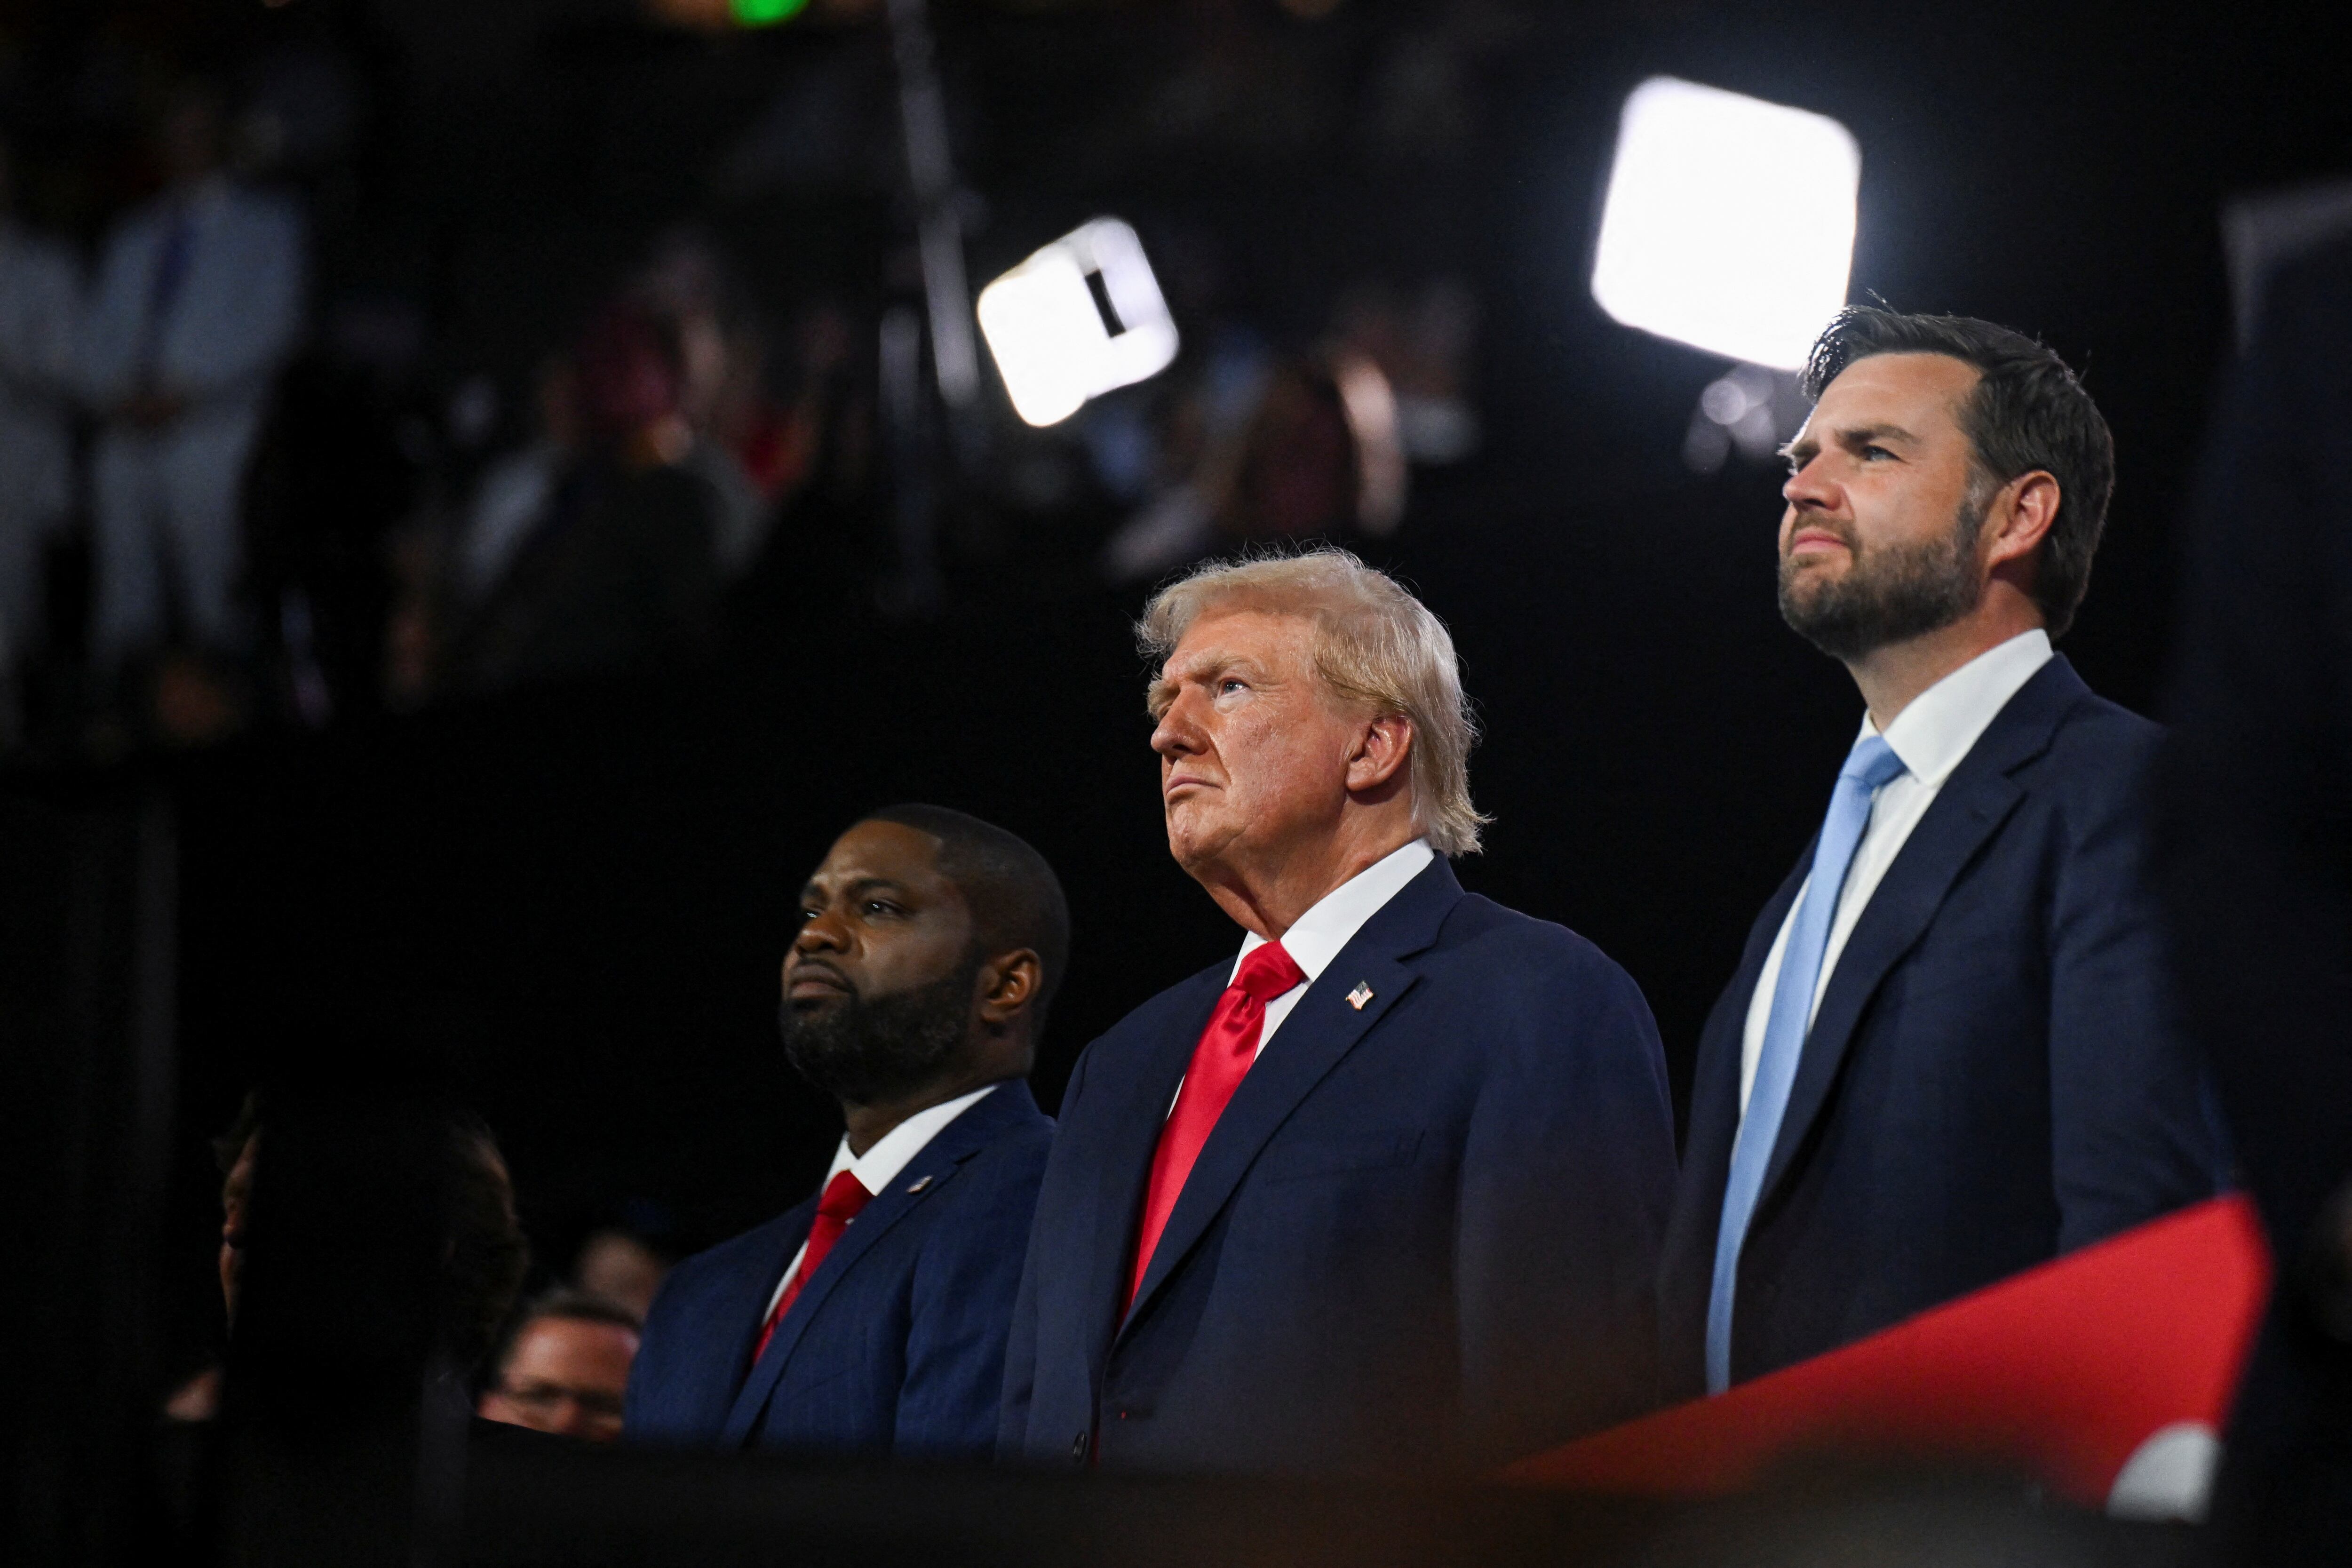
896,1345
1422,1235
1996,1072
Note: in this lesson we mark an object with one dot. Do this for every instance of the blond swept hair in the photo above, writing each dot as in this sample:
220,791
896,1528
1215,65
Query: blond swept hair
1375,644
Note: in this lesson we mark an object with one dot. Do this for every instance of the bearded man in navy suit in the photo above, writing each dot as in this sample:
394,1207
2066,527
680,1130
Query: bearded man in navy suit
1952,1049
1383,1193
870,1319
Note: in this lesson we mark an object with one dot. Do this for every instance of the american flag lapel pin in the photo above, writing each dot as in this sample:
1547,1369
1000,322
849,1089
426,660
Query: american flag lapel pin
1359,995
919,1185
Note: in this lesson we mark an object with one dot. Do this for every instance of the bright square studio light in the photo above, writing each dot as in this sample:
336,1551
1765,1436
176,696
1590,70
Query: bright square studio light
1078,317
1728,223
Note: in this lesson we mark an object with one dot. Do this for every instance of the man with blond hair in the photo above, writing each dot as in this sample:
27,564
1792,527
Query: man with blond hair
1384,1193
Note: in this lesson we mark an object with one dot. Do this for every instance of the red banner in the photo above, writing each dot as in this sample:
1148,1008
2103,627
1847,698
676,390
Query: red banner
2122,1355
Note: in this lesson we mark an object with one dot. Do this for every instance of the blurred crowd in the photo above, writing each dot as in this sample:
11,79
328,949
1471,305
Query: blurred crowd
219,513
253,484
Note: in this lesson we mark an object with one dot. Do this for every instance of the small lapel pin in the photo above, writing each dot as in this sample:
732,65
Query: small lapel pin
1360,994
919,1186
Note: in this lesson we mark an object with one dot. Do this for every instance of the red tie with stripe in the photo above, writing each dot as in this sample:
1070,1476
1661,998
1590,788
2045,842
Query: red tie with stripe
1228,1045
843,1196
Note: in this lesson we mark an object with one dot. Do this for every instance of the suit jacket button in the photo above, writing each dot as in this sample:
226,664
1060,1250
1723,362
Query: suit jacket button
1079,1447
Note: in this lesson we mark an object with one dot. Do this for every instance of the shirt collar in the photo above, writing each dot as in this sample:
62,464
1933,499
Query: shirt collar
1316,938
880,1165
1942,724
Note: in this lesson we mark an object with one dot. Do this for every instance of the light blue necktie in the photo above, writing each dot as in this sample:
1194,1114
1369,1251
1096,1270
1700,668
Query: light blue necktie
1870,765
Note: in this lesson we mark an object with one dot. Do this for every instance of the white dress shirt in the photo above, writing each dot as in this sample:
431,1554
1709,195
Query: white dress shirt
880,1165
234,318
1317,937
1939,727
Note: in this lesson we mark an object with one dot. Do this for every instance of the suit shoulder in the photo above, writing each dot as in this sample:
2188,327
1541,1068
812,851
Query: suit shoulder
1141,1026
2098,721
2101,748
1529,976
1147,1017
1017,1154
1550,1014
994,1191
1177,995
756,1248
1515,949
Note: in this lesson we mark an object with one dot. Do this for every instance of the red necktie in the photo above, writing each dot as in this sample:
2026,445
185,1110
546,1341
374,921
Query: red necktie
843,1196
1228,1045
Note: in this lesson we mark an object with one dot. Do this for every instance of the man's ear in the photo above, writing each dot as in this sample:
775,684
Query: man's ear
1007,983
1383,746
2021,513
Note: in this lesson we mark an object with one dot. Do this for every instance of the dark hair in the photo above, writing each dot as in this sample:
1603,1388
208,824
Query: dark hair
562,1302
446,1160
1015,898
2028,411
488,1254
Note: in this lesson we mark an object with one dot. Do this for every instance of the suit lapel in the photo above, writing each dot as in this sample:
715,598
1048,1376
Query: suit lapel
1970,807
1126,1170
924,1176
744,1303
1321,1029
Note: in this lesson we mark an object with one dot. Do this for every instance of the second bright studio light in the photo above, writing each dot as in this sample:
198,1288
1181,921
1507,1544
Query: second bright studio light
1729,222
1080,317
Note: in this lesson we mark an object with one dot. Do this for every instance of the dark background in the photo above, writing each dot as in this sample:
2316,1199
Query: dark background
575,899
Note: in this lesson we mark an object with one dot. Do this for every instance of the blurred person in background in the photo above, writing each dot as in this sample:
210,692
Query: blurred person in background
754,399
331,484
198,303
40,304
405,1206
1952,1049
376,1256
1264,450
871,1318
514,495
687,288
618,1267
1384,1191
563,1367
620,558
1420,341
771,409
2257,873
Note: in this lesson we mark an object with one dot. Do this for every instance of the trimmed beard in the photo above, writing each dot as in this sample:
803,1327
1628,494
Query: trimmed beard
866,1050
1894,593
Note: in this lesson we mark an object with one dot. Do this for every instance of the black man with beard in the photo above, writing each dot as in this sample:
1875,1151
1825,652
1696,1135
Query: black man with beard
871,1318
1951,1050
